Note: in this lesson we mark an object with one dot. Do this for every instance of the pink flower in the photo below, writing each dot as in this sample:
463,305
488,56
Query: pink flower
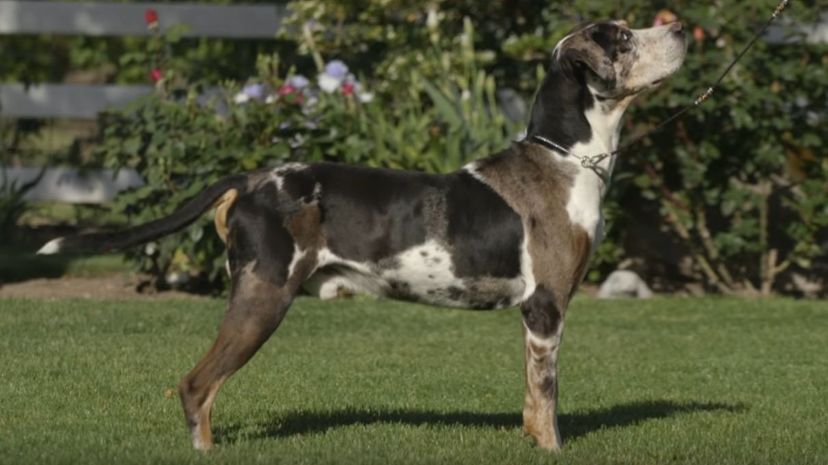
291,94
698,34
156,75
348,88
286,89
151,17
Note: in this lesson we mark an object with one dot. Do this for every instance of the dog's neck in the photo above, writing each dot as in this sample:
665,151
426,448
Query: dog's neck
566,112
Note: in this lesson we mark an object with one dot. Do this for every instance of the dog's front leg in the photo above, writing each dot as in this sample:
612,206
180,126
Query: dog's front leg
543,325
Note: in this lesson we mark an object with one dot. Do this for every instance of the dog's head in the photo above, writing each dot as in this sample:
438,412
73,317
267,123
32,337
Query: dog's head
616,61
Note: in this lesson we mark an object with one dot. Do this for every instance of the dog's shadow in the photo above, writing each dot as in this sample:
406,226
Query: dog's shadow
572,425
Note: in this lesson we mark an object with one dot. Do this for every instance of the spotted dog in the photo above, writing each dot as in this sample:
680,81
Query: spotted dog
516,228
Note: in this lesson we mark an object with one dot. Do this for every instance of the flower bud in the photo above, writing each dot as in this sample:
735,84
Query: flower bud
151,18
698,34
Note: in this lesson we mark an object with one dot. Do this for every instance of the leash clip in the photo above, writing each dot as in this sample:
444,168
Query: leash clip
782,5
591,162
706,95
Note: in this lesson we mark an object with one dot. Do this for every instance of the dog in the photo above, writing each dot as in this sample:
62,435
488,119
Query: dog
514,229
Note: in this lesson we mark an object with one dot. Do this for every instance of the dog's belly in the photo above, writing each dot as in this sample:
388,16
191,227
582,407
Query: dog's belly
423,273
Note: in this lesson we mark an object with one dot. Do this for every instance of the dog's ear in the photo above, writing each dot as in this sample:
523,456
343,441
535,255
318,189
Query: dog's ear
583,50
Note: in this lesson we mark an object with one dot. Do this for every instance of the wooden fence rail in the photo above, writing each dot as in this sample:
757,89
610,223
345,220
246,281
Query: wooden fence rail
22,17
127,19
76,101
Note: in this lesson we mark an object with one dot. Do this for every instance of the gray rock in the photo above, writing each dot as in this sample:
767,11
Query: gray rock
624,283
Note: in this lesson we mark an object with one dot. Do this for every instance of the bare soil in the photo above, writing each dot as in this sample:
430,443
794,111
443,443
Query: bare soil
114,286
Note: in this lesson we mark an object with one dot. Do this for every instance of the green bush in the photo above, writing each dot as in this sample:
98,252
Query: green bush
741,182
735,192
12,203
187,136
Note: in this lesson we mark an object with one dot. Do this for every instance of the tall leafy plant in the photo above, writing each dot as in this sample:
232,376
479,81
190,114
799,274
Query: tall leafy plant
188,135
741,182
734,193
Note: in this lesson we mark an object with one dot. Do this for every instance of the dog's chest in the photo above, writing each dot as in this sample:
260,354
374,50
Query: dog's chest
584,204
588,188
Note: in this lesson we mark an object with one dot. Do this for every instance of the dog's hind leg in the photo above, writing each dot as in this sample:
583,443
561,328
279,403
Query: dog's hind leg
267,271
543,326
255,311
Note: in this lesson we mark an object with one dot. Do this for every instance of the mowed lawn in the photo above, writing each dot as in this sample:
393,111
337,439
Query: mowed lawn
362,381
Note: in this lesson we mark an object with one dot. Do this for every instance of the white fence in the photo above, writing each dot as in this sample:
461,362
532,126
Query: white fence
127,19
71,185
78,101
21,17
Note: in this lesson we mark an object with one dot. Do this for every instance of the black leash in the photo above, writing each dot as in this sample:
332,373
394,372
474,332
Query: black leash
592,161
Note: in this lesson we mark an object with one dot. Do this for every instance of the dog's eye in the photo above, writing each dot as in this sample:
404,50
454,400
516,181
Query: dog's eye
624,38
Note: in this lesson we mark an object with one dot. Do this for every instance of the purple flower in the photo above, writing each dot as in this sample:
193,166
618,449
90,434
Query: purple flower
255,91
298,82
336,72
336,69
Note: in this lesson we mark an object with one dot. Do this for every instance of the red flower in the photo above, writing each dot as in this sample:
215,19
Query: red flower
286,89
156,75
151,17
348,88
291,94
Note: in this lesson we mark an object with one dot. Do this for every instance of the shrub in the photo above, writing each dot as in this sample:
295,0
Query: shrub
741,182
187,136
12,202
734,194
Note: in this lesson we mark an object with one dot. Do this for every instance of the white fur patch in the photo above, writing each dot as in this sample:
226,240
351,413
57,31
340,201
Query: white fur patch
550,342
349,275
526,272
424,267
542,342
52,247
326,257
471,168
328,286
588,189
298,254
660,53
278,173
424,272
197,444
556,52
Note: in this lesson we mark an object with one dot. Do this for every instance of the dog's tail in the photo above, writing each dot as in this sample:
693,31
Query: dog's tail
103,242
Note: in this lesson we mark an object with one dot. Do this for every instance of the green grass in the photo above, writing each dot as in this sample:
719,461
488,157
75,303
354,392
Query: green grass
363,381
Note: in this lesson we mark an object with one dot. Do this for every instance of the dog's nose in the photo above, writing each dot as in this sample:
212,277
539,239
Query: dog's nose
677,27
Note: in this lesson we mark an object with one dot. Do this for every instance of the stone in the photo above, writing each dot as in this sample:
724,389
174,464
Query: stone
624,283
